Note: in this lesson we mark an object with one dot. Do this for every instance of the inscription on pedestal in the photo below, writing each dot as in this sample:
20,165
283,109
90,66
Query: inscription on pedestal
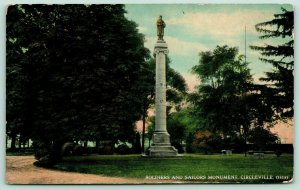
161,138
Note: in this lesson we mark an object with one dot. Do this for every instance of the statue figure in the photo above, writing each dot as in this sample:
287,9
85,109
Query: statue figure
160,28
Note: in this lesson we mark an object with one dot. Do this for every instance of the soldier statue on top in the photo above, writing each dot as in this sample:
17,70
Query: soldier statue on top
160,28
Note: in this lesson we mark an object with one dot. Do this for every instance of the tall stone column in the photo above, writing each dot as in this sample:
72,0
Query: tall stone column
160,51
161,146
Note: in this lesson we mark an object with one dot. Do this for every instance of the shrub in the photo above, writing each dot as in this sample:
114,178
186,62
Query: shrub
79,150
147,152
106,149
178,146
123,149
44,162
278,153
137,147
190,148
67,149
40,152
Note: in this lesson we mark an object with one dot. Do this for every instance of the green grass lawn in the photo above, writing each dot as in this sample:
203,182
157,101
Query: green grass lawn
202,168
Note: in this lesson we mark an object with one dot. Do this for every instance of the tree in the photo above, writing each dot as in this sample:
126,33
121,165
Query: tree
18,96
176,129
227,102
147,86
280,81
82,65
136,147
225,79
176,87
150,128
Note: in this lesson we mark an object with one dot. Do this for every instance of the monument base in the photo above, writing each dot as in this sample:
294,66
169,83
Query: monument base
161,146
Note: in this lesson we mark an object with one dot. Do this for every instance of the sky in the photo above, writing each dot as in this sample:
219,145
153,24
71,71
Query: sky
193,28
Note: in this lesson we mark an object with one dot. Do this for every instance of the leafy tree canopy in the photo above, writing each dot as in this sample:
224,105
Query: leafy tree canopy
74,72
225,79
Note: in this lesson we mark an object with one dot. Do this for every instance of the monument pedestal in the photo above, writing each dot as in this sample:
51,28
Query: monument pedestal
161,146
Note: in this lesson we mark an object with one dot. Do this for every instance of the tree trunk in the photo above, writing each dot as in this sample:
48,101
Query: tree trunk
19,143
85,144
143,134
97,146
6,141
13,142
245,143
56,152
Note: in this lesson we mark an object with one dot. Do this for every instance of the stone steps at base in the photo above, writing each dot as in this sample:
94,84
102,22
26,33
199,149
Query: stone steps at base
163,151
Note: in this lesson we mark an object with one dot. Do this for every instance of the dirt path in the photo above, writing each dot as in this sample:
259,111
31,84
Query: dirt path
20,170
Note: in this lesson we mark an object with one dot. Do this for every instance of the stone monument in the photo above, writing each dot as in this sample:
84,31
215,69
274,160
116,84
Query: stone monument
161,146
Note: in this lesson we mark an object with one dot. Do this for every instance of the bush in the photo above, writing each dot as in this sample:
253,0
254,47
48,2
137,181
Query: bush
278,153
44,161
123,149
106,149
48,156
179,147
147,152
79,150
204,149
137,147
190,148
41,152
67,149
91,150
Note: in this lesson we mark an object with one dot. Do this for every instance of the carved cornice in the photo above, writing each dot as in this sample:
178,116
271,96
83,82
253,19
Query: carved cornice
158,50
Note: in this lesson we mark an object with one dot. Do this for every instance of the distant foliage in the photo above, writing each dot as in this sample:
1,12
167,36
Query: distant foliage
262,137
206,142
123,149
